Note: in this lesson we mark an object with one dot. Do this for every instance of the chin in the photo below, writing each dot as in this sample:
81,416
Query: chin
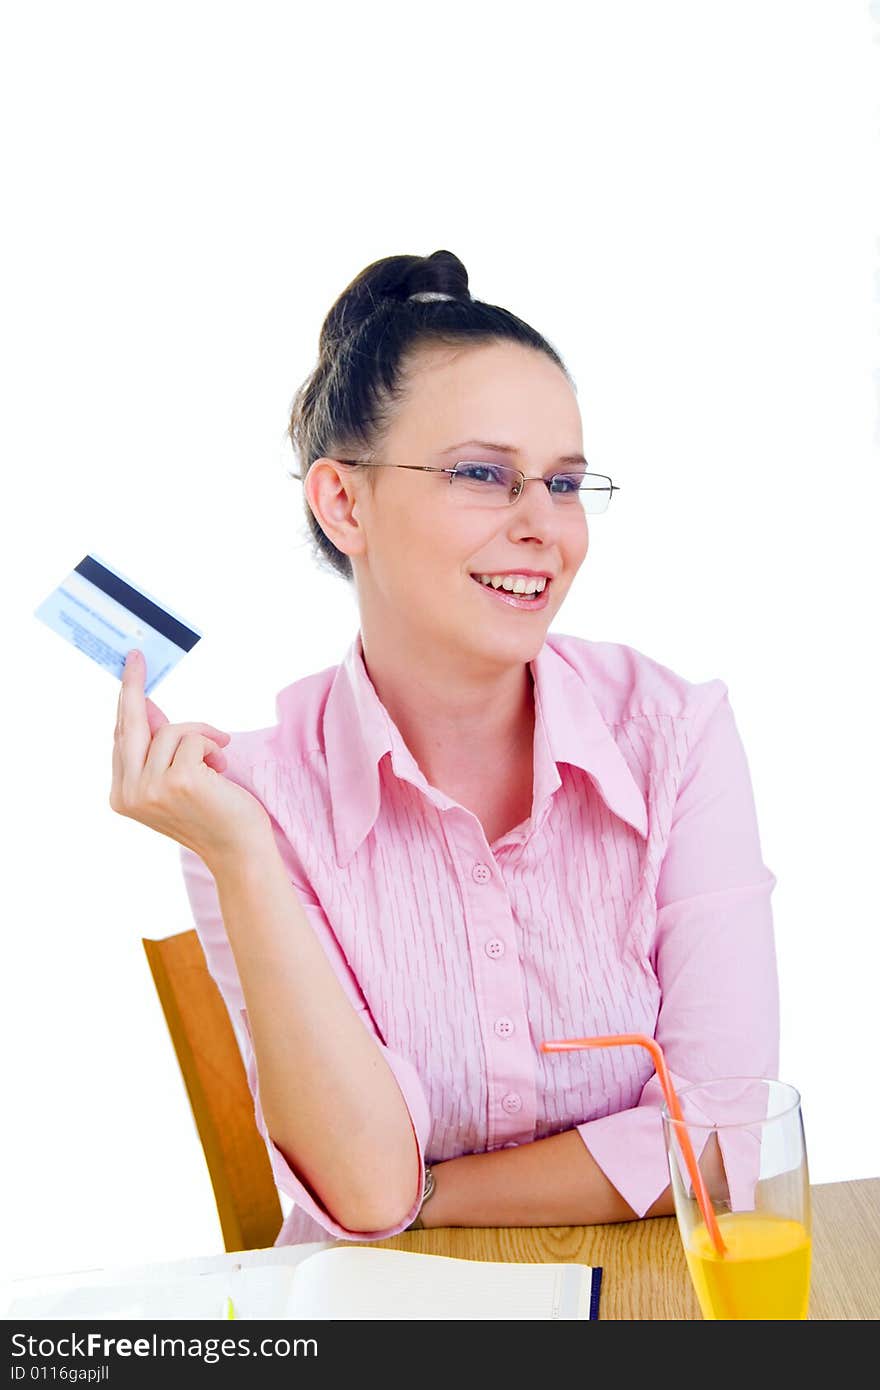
512,646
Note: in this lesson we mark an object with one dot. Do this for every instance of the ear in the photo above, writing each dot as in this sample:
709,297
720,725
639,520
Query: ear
333,492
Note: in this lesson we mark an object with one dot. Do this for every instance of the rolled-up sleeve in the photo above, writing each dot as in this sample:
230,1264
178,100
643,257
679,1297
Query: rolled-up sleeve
713,951
205,906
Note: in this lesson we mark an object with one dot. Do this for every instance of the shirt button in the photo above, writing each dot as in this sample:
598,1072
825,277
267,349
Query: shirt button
494,948
503,1027
512,1102
481,873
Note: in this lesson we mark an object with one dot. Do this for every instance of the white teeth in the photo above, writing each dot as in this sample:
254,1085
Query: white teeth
514,583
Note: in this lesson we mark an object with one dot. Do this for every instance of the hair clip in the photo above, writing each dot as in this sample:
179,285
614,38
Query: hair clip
429,294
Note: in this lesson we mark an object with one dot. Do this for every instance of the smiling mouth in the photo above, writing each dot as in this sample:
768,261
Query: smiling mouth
514,600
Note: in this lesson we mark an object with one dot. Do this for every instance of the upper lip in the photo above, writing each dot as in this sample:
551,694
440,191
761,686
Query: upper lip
532,574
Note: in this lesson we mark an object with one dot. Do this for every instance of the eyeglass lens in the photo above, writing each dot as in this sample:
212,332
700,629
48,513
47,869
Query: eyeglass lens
495,484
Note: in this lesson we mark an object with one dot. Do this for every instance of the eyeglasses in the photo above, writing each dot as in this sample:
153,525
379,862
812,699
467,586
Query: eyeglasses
499,485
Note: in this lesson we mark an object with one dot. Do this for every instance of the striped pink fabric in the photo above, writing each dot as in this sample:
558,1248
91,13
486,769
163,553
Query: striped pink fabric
633,899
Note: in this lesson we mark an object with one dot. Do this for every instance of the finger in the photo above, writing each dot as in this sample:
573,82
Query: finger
219,735
116,765
192,750
167,739
155,717
133,728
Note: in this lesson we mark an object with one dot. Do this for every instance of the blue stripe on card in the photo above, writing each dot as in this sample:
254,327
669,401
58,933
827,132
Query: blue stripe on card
116,588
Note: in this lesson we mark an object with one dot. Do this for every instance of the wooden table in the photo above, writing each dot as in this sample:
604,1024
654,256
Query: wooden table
645,1273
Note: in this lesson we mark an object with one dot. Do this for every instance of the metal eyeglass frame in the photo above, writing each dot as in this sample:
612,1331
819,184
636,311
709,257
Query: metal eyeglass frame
428,468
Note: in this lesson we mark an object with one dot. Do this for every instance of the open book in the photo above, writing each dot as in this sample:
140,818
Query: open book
340,1282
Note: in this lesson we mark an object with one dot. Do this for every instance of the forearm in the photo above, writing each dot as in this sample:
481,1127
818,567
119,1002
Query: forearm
330,1100
550,1182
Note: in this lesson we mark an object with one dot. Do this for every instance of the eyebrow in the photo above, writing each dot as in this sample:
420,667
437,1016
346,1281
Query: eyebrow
507,449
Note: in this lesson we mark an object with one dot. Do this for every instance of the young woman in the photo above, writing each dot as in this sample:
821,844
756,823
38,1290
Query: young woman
471,834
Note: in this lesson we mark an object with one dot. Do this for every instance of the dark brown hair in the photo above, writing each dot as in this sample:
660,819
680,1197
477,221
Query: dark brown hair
346,405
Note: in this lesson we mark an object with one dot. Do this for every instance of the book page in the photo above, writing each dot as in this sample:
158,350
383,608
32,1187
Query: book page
399,1284
258,1281
256,1293
288,1282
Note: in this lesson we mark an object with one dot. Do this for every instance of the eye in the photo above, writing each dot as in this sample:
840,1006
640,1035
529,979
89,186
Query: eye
566,483
482,473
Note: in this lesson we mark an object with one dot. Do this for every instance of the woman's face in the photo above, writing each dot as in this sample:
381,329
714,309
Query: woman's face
416,548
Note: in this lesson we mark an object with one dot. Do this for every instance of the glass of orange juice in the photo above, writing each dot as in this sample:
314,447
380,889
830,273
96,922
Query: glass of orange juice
748,1137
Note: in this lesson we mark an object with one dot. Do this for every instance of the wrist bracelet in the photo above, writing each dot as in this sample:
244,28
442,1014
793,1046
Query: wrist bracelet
427,1190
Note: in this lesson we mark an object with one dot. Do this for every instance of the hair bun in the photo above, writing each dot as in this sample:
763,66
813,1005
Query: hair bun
389,281
438,276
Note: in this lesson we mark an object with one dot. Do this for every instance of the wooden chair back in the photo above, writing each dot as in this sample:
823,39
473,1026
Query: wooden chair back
216,1083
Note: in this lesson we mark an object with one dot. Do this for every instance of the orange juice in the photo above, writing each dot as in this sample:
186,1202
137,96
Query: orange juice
764,1274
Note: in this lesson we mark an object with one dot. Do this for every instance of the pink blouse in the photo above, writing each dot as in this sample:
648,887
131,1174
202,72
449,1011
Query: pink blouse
633,899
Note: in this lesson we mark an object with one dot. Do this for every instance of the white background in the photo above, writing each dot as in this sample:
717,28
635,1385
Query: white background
682,197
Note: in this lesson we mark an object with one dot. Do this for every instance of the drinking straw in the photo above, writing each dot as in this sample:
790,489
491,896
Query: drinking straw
621,1040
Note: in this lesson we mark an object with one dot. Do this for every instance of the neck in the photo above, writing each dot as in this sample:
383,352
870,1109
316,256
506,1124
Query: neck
458,723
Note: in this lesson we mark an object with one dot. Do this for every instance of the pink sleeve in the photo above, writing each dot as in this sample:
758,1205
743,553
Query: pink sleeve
205,905
713,952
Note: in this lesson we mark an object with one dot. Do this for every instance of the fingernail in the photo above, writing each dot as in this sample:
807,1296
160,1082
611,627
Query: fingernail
132,655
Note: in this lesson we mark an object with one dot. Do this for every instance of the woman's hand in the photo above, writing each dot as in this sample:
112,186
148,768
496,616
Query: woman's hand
170,777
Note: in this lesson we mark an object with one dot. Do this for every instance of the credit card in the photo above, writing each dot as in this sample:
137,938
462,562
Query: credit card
104,614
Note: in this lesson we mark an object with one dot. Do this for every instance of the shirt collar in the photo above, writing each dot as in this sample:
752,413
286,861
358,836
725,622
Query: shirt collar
569,727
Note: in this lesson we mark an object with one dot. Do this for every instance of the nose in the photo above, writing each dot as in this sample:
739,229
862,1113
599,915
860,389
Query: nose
535,510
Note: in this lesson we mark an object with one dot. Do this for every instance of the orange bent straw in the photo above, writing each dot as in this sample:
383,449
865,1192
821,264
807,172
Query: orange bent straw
621,1040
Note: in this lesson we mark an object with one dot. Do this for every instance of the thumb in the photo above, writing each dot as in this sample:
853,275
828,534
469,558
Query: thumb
155,717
